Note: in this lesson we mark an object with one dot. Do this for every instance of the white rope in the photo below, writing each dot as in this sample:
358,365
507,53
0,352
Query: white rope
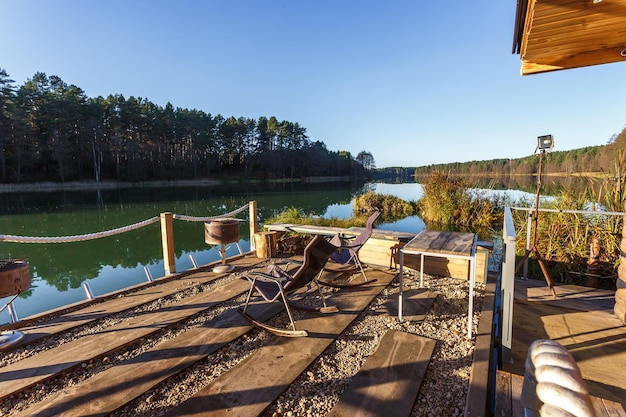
106,233
77,238
206,219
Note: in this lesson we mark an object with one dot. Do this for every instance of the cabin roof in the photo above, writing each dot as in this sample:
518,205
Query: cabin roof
552,35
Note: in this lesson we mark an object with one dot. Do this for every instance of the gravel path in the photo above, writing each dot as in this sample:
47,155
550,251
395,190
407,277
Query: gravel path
316,391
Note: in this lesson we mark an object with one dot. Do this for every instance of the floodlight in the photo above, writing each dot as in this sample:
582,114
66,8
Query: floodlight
545,143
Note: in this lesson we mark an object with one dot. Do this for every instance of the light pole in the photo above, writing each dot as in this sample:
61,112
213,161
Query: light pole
545,144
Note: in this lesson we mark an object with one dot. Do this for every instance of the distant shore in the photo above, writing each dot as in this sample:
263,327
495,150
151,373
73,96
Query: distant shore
110,185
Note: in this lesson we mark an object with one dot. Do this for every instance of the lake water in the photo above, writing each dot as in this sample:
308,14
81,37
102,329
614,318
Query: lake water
58,270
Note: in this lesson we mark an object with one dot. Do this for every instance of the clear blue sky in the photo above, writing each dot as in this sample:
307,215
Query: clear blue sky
412,82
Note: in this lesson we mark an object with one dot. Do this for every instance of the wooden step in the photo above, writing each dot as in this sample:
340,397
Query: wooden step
415,304
40,367
251,386
113,388
123,382
95,310
389,381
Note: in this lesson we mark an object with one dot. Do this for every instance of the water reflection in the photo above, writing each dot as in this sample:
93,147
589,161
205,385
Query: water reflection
59,270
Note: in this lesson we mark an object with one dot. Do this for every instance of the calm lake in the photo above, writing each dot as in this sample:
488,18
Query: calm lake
58,270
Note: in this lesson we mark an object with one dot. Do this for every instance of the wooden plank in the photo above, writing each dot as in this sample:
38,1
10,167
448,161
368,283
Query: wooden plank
330,231
388,383
118,385
415,306
94,310
309,229
602,407
25,373
613,408
445,267
517,406
599,407
454,243
248,388
572,297
596,339
479,384
509,395
386,234
503,404
376,251
607,408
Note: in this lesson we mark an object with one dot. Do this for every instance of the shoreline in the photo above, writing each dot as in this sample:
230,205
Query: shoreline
112,185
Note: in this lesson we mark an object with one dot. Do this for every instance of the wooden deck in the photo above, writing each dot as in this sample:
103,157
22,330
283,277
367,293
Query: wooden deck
245,390
509,399
582,320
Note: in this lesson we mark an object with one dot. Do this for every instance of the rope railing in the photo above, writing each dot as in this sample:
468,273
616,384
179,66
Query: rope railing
167,240
205,219
77,238
112,232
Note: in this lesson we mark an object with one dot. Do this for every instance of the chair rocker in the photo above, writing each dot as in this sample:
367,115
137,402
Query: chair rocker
277,284
349,249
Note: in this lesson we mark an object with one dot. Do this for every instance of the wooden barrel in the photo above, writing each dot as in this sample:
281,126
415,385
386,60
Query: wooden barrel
221,231
14,277
266,244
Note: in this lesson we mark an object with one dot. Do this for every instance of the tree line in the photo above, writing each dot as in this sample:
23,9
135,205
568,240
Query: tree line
51,131
590,160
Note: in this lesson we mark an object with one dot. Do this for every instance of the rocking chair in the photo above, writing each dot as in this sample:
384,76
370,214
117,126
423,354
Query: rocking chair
277,283
349,249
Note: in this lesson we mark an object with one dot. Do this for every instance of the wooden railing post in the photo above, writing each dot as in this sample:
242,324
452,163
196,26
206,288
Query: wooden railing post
167,240
254,224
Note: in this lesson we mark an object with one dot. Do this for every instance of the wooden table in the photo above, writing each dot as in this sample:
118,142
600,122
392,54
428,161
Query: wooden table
446,245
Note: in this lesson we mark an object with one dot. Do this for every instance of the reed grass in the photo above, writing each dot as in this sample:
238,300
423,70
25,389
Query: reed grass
564,239
448,202
391,207
295,215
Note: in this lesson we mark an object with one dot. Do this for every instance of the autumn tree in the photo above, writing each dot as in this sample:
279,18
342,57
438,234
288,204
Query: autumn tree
366,159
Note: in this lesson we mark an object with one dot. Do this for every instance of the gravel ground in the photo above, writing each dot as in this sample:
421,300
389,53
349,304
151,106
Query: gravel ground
315,392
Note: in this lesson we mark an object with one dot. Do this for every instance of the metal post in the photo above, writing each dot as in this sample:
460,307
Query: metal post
148,273
13,313
88,292
193,261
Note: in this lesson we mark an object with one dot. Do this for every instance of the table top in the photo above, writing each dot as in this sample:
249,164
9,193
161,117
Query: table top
452,243
331,231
